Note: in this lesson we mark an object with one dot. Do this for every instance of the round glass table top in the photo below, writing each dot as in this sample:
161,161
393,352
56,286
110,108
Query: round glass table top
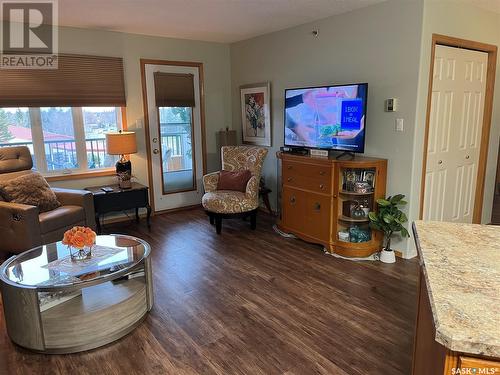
50,266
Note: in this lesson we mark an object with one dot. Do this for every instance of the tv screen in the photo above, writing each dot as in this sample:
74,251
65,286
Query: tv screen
328,117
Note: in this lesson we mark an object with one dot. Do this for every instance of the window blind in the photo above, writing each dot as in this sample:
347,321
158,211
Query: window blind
79,81
174,89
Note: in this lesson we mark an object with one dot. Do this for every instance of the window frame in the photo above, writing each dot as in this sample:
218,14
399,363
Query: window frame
80,144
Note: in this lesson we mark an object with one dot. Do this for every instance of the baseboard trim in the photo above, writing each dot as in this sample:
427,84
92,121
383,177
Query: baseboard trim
265,211
123,217
170,210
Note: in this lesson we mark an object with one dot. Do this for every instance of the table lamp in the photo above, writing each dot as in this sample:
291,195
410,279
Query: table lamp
122,143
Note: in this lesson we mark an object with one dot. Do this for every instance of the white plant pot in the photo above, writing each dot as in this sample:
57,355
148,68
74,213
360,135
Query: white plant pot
387,256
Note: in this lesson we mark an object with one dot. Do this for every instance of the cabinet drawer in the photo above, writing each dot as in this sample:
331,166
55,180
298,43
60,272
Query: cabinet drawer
316,184
482,366
307,170
312,177
120,201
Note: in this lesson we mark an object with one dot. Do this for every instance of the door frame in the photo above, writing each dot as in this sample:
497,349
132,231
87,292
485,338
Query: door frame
491,50
197,65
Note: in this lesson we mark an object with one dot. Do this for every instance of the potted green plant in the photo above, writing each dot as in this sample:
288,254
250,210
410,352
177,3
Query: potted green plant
389,219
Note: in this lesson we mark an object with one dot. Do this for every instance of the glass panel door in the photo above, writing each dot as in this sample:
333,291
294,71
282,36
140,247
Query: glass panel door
177,156
176,142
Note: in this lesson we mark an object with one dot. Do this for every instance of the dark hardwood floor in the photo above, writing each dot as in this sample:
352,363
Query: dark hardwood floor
250,302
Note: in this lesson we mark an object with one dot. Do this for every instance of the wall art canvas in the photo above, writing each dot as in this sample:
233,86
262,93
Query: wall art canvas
256,114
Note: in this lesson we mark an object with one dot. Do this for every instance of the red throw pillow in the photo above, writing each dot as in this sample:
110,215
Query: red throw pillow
236,180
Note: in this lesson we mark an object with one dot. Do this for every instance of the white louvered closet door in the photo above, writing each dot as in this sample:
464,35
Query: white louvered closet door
455,126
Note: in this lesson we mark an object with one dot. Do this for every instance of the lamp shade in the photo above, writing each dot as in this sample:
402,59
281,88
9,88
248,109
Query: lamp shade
121,143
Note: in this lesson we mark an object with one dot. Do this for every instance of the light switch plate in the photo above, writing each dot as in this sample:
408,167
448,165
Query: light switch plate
400,125
138,124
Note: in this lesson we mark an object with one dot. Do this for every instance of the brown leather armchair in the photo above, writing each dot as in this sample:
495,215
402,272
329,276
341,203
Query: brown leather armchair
22,226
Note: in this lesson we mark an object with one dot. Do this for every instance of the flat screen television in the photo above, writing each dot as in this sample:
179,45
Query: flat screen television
327,117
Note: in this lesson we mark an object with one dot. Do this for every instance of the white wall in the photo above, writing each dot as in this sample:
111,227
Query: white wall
131,47
379,44
467,22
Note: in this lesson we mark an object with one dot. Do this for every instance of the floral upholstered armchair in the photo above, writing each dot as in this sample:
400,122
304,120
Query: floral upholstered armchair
221,204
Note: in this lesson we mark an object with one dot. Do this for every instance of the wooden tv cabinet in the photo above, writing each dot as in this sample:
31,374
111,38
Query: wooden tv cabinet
313,195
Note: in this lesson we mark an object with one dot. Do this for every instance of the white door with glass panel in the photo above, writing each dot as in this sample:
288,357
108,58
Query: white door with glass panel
454,138
175,136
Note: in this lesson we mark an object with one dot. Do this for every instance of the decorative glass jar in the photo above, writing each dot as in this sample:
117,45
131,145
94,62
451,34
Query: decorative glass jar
80,254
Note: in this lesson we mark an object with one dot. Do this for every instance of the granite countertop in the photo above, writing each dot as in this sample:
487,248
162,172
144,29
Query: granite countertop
461,266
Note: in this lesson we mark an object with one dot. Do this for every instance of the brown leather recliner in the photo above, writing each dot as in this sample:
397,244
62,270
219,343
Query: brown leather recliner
22,226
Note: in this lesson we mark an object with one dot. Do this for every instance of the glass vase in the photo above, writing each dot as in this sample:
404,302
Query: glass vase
80,254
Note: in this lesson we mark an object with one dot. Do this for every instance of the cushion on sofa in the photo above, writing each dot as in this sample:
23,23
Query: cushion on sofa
31,189
61,217
236,181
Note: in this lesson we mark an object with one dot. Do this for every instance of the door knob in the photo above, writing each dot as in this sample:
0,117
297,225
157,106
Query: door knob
317,206
322,173
321,186
156,151
440,162
467,157
289,179
155,140
292,200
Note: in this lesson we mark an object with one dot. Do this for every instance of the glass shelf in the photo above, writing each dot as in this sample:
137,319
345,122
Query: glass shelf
352,220
354,193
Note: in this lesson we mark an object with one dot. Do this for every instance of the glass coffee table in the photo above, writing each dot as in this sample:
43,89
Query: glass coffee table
55,305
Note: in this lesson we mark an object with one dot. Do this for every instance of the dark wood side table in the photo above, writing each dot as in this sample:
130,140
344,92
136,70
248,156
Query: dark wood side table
120,200
264,193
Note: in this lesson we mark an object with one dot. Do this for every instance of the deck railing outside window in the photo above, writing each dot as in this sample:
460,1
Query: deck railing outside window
176,146
62,155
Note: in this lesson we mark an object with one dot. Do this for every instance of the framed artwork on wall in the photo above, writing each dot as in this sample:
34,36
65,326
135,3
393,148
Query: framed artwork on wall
256,114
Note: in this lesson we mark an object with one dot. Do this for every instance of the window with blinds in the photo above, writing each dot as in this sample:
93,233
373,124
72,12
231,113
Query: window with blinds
79,81
61,115
174,89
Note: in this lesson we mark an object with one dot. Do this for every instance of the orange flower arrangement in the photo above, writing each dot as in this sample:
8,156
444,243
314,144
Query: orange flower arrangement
79,237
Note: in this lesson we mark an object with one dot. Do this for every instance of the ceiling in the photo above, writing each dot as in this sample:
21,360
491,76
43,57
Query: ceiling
224,21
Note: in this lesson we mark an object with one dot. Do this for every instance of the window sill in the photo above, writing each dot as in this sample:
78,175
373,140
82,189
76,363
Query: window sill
81,175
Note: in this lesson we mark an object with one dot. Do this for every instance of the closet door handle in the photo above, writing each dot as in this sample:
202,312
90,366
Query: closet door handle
440,162
317,206
289,167
321,186
322,173
467,157
289,179
292,200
